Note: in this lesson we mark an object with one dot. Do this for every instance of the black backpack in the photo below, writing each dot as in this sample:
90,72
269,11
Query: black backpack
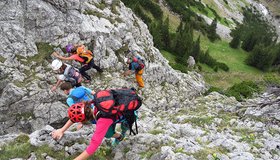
124,101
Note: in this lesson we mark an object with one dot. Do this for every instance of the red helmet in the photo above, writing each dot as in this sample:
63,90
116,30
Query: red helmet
134,59
76,112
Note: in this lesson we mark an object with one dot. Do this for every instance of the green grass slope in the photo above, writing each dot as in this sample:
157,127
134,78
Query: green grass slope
235,60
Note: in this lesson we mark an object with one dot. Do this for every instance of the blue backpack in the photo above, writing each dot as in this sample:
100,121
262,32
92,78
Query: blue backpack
140,61
80,94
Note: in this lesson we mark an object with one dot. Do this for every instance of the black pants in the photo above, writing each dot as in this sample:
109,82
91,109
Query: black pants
77,85
91,64
74,83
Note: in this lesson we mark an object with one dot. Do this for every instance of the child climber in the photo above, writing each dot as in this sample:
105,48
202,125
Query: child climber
105,127
110,107
80,54
75,95
136,66
67,73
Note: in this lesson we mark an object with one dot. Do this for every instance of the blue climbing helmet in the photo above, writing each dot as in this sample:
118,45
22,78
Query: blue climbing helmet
80,94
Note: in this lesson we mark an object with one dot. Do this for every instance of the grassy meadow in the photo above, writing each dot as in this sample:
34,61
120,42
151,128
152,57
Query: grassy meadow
222,52
234,58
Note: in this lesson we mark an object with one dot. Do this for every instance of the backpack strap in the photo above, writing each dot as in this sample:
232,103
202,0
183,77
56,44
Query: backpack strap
131,118
87,56
100,114
136,127
75,99
136,117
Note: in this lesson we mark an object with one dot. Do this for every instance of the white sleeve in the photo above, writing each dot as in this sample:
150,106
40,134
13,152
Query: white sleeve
67,69
61,77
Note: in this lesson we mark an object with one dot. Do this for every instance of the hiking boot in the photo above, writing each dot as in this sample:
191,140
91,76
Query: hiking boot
87,81
116,141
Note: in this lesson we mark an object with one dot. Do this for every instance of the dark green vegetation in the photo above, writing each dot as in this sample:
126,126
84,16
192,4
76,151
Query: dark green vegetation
256,36
243,90
183,8
240,91
237,68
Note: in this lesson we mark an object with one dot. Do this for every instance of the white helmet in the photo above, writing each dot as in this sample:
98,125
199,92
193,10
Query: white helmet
56,64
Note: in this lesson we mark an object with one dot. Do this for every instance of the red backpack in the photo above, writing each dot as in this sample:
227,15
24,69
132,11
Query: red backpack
124,101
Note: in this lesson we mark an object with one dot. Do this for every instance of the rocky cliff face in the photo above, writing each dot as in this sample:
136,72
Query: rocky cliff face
31,29
175,122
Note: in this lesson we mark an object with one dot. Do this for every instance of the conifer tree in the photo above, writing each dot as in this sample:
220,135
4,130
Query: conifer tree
249,42
155,31
180,27
277,54
184,42
165,34
188,29
261,57
212,35
235,42
253,31
196,49
178,47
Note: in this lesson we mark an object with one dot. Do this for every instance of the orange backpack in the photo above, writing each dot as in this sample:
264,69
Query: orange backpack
86,55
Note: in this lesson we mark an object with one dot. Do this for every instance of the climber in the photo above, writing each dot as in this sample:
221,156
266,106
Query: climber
80,54
67,73
105,124
136,66
76,95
